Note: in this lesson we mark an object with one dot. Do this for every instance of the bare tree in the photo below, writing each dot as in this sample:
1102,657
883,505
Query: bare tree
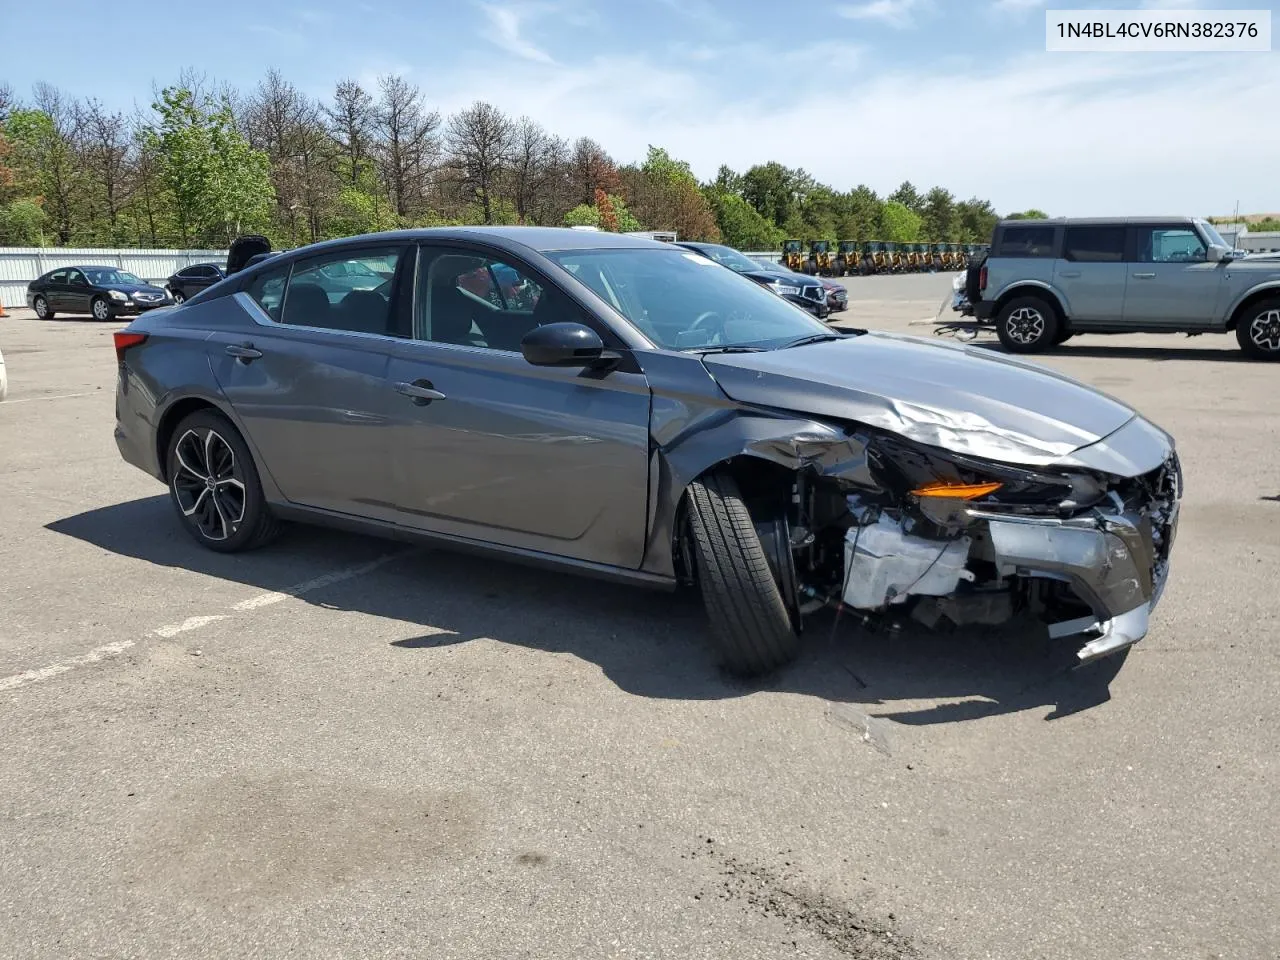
592,169
59,172
289,127
104,151
480,143
538,165
351,118
407,144
7,101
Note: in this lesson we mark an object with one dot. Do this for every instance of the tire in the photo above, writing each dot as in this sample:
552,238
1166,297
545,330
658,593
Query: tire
1258,330
1027,325
100,309
1062,336
235,523
751,626
42,309
178,296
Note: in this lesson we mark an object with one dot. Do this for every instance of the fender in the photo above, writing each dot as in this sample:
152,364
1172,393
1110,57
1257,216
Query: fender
693,431
1053,291
1266,286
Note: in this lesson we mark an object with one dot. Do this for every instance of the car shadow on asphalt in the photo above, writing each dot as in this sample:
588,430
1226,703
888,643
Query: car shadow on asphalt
650,644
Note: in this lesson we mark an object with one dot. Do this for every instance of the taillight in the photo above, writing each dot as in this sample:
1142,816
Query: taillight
982,278
124,340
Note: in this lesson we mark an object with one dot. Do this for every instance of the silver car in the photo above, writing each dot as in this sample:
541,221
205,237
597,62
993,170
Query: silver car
1046,280
625,408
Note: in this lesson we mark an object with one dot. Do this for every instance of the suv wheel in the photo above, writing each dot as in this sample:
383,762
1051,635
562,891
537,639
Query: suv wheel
1027,325
1258,331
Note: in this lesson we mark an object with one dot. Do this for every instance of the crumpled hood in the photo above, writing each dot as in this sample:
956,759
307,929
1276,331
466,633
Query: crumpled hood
961,398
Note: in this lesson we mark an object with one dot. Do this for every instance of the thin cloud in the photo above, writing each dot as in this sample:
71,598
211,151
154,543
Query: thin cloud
506,22
895,13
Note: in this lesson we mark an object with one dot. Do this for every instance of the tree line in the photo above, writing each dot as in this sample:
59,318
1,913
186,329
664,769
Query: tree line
206,163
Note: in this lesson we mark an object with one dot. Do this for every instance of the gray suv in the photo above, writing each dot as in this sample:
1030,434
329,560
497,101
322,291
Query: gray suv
1046,280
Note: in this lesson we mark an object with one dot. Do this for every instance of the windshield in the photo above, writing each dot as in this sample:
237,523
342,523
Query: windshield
108,276
683,301
1212,234
729,257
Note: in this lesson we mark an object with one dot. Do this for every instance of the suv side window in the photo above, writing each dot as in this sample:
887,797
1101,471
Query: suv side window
1169,245
349,290
1094,244
267,289
1025,242
468,299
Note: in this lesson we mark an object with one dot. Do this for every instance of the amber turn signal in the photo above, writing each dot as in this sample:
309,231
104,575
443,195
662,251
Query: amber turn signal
958,491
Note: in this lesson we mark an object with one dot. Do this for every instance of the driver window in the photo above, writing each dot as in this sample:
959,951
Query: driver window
76,278
1170,245
470,300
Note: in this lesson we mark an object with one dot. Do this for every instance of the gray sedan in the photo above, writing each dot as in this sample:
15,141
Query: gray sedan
624,408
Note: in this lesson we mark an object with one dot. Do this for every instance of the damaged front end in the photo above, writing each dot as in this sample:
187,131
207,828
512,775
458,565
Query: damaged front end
879,524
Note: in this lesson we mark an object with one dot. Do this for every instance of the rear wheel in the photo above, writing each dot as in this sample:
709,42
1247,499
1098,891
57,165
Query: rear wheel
751,622
42,309
178,296
1258,331
1026,325
214,485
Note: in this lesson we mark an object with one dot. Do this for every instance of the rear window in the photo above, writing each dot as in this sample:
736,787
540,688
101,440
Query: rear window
1094,244
1025,242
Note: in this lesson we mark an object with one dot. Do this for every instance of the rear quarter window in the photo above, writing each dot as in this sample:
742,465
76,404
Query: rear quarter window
1025,242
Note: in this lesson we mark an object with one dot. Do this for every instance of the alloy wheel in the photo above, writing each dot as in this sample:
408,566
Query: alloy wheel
208,483
42,308
1025,325
100,310
1265,331
179,296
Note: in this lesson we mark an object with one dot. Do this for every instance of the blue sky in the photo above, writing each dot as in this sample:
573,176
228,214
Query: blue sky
946,92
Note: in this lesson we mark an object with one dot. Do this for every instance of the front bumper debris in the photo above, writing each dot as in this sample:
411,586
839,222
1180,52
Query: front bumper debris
1116,560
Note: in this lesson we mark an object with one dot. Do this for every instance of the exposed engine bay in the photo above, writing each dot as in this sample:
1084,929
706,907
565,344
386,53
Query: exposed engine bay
889,528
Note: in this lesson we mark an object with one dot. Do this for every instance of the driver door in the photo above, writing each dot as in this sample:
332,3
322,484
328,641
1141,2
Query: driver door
550,459
78,293
1171,281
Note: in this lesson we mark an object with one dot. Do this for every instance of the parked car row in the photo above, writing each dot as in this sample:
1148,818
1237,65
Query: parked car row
819,296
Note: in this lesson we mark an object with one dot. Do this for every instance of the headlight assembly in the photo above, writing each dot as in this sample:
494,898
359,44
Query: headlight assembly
117,295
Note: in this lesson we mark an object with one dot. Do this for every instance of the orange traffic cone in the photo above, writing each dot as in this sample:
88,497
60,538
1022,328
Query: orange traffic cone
2,313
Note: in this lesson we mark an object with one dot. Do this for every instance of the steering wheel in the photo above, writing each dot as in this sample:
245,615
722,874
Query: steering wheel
706,315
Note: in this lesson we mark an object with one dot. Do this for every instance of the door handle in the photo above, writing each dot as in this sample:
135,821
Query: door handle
245,352
1144,276
1069,273
420,391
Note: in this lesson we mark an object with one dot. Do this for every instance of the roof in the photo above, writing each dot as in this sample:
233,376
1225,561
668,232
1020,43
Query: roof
1096,221
540,239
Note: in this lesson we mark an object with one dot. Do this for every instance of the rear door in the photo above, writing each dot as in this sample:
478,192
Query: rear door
1091,273
1171,282
307,377
55,290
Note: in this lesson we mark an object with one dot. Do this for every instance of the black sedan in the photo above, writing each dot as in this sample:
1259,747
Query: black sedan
189,281
806,292
101,292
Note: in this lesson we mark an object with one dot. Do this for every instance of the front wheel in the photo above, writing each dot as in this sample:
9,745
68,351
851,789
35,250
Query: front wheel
178,296
214,485
751,625
100,308
1258,331
1026,325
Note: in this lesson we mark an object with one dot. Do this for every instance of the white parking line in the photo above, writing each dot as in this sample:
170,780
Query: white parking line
170,630
59,396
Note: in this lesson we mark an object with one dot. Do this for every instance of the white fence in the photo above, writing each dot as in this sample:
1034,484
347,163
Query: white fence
20,265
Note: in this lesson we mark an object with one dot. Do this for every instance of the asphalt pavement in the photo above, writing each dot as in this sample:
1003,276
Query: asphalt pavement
345,747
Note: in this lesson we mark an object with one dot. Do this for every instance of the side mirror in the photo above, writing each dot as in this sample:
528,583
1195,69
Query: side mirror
562,345
1217,252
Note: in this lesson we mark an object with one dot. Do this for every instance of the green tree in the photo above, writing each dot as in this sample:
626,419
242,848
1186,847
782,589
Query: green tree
1032,214
218,184
899,223
939,220
45,167
908,196
741,225
583,215
776,191
665,195
22,224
